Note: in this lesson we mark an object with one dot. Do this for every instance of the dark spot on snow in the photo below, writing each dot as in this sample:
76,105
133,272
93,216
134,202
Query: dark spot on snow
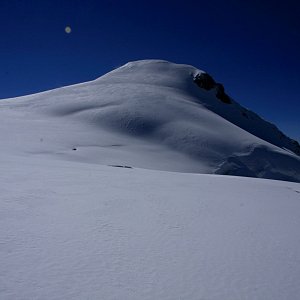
281,135
74,149
121,166
245,115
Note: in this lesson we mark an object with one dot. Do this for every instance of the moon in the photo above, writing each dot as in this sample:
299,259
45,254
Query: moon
68,29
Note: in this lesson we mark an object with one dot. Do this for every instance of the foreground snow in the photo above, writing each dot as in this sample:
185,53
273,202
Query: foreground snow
84,231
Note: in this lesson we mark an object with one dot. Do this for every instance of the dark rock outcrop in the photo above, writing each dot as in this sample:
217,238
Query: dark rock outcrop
221,93
296,147
205,81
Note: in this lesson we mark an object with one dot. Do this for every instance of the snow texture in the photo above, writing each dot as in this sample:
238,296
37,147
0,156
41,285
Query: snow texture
84,231
100,196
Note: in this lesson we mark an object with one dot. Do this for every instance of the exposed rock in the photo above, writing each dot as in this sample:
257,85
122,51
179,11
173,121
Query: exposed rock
296,147
221,94
205,81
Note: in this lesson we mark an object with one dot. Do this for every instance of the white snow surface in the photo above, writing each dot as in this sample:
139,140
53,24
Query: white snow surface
75,226
148,114
85,231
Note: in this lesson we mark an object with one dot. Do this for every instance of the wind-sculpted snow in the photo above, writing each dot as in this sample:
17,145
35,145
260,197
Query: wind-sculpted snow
262,162
162,119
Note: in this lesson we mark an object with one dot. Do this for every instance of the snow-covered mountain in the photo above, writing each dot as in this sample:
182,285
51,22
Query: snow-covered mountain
150,114
75,226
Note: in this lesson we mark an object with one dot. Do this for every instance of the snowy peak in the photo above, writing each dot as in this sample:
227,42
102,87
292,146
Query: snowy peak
185,77
151,114
153,72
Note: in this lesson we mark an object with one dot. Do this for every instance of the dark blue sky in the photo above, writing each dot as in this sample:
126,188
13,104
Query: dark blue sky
252,47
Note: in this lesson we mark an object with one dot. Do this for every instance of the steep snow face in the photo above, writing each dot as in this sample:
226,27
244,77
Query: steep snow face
149,114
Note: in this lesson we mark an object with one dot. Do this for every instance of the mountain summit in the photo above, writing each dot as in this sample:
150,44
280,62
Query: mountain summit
150,114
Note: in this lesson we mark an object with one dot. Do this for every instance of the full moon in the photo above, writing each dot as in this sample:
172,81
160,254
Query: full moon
68,29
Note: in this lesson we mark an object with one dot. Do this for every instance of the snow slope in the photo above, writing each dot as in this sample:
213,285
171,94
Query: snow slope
74,226
83,231
72,230
149,114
